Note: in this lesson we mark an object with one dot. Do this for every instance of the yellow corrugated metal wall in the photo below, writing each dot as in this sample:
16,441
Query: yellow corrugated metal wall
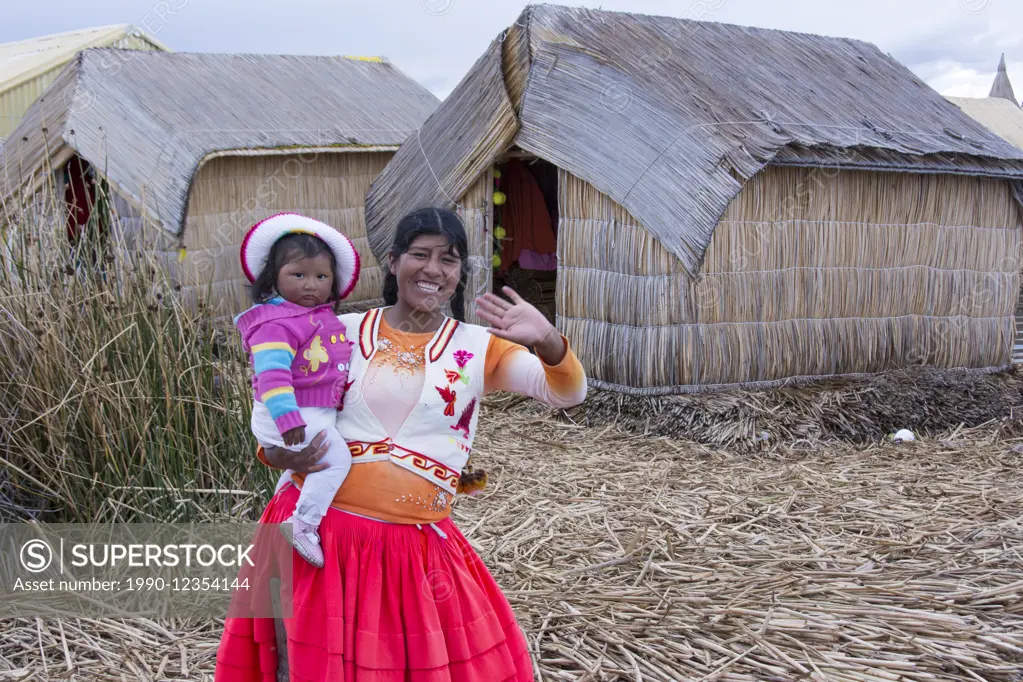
16,101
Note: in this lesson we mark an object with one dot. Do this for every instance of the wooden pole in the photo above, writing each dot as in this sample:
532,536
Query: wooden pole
279,631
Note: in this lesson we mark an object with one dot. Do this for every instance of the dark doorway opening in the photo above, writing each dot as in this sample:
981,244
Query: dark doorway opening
87,206
526,230
79,197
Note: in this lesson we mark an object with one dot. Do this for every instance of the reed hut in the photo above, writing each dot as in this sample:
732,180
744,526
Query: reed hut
27,67
190,149
735,206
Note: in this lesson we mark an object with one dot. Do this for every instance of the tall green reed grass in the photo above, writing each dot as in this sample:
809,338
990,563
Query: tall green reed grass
116,401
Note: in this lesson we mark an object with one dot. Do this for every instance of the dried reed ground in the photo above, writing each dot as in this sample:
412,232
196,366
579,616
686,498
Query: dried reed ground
630,557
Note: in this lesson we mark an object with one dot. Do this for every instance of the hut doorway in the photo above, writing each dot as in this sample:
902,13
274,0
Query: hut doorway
79,196
526,229
87,208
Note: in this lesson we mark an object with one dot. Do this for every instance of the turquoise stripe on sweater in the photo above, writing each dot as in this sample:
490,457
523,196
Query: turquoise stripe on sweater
272,359
280,405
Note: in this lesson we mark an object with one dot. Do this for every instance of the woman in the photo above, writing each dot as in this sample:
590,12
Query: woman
402,596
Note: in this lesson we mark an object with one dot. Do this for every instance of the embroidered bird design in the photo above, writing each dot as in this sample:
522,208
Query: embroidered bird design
449,397
315,354
466,419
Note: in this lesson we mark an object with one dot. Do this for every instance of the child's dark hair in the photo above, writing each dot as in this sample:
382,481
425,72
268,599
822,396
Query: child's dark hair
286,249
431,221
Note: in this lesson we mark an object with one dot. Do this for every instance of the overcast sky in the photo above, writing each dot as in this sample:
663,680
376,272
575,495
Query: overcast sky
954,45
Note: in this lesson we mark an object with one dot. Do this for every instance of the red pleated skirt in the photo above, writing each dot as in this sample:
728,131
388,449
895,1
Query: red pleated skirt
393,603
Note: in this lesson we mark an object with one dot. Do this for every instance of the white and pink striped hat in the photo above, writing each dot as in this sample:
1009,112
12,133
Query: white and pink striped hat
264,234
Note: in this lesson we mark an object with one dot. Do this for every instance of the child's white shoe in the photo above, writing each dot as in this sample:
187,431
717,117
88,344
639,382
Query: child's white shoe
306,540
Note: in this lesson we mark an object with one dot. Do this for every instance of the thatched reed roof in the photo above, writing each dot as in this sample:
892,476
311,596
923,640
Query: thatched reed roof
1000,116
670,117
147,120
1002,87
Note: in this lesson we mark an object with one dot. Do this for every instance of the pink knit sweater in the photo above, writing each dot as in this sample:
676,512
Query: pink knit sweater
300,358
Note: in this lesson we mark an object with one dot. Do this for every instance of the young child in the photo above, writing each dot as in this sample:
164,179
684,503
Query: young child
299,267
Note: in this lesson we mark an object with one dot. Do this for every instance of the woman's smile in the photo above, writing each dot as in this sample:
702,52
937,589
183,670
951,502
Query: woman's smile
427,273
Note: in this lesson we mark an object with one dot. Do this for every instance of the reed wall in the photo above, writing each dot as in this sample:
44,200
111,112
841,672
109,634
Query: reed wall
476,213
810,272
231,193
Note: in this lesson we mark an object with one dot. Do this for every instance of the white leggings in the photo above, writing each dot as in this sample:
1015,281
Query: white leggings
319,488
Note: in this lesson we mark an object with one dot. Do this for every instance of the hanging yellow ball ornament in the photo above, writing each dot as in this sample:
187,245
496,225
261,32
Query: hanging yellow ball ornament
496,260
500,232
499,198
497,174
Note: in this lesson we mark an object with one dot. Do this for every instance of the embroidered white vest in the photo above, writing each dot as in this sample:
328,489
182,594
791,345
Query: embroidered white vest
436,438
